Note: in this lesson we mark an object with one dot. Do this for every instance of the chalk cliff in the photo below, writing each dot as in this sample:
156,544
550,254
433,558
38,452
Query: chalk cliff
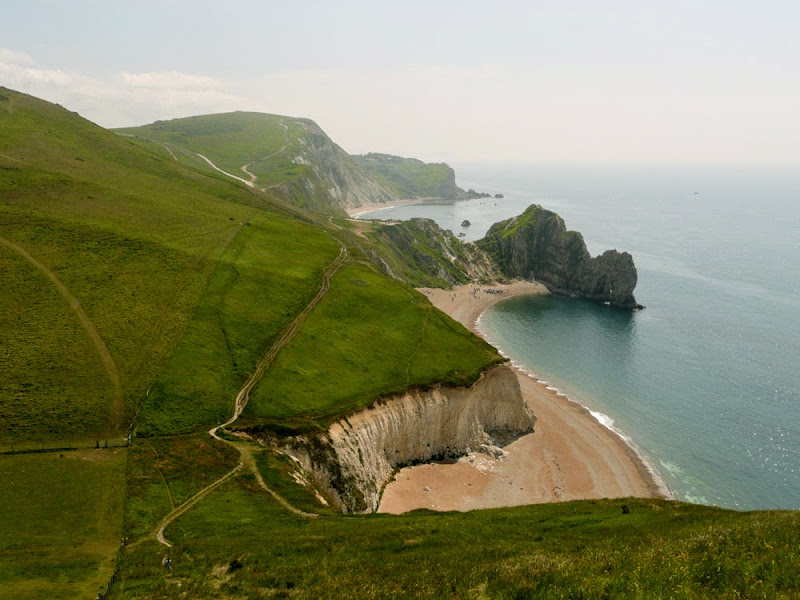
536,245
333,180
356,456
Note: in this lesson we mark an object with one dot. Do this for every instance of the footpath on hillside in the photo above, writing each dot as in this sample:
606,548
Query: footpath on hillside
246,451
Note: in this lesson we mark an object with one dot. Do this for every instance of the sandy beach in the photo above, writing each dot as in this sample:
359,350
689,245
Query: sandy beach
365,208
569,456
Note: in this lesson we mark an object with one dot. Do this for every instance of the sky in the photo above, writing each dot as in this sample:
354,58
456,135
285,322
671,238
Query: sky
567,81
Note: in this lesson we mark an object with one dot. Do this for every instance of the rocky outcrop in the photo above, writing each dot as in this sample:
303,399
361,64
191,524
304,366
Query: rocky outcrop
423,254
332,180
354,459
536,245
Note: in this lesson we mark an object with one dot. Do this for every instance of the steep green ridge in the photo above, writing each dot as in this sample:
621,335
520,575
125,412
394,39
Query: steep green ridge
293,158
131,237
410,177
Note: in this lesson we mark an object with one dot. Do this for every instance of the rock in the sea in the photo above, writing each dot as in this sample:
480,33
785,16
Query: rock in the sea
536,245
465,223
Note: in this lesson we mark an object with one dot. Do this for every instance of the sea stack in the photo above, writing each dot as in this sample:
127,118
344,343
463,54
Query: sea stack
536,245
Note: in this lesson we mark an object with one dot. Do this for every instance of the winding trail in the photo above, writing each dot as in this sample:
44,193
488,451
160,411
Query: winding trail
117,406
165,522
216,168
246,450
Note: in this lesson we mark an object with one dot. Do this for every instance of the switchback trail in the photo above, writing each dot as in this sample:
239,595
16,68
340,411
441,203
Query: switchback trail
246,451
216,168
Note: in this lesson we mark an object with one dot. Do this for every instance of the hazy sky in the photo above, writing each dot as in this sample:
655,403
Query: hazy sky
558,81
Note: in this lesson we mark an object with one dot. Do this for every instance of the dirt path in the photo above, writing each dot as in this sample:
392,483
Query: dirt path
246,451
216,168
252,176
164,146
117,406
244,393
165,522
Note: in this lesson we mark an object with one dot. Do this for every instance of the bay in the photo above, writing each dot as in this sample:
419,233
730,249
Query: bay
704,382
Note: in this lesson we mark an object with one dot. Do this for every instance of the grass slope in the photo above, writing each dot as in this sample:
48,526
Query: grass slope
232,140
267,275
61,523
370,336
239,543
132,238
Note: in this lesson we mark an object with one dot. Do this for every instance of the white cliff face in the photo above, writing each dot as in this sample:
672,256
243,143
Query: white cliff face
358,455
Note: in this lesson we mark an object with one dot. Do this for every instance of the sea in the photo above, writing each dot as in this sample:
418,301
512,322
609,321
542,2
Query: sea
705,381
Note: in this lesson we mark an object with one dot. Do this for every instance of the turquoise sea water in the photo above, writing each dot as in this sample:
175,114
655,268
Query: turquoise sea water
705,382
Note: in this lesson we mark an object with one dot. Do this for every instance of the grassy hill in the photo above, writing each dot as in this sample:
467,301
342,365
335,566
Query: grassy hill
410,177
292,158
140,290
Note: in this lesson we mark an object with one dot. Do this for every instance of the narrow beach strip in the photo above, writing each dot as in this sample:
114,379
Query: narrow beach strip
377,206
570,455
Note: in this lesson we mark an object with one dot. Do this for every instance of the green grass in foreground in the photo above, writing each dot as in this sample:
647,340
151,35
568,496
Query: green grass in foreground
369,336
165,472
239,543
60,523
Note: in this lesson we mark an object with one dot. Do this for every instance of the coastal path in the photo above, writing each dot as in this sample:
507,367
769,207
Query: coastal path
246,450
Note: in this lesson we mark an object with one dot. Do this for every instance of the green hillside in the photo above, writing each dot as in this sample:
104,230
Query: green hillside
144,293
138,293
266,142
410,177
241,543
291,158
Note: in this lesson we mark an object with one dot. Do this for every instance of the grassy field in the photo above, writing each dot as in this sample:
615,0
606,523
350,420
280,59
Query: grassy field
61,522
370,336
267,275
239,543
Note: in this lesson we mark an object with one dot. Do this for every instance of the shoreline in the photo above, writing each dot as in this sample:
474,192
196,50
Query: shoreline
572,454
376,206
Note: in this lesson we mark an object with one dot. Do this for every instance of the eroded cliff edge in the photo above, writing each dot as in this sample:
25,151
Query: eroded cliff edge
356,456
